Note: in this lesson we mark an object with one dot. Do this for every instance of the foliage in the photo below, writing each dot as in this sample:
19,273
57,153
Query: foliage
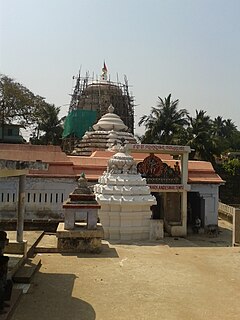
234,141
19,105
230,172
208,138
200,137
48,127
232,167
165,123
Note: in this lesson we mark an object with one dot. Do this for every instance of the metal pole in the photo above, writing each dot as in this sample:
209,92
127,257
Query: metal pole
21,207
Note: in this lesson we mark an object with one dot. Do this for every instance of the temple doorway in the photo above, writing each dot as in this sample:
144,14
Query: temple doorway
195,210
157,210
168,207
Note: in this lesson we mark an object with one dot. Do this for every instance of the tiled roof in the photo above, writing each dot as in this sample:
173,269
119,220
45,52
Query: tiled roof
28,152
61,165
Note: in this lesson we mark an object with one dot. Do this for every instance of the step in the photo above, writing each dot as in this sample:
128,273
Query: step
47,244
32,238
26,272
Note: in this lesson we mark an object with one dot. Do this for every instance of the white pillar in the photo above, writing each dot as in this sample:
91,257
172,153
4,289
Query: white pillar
184,167
184,211
21,207
181,230
184,164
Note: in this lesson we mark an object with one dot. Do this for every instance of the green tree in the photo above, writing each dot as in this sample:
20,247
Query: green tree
232,167
230,172
234,141
19,105
165,124
218,126
223,131
48,128
201,138
229,128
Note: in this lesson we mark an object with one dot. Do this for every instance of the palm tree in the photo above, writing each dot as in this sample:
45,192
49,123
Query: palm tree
229,128
234,141
223,131
49,127
224,128
165,123
218,126
201,137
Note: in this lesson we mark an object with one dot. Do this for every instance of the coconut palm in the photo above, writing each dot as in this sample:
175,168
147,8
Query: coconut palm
234,141
201,137
223,131
223,128
218,126
229,128
165,123
49,127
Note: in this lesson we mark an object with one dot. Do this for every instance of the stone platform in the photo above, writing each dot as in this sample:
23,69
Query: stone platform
79,239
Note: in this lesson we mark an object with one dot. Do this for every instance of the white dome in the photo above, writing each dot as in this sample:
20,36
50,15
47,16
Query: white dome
110,121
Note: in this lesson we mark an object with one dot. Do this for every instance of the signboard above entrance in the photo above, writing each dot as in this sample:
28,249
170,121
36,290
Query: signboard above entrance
159,148
167,187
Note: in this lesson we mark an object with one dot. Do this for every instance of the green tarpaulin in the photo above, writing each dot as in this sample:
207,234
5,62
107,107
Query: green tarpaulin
78,122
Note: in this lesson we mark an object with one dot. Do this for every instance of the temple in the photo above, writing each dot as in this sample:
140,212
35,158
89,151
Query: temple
90,100
141,188
184,190
109,130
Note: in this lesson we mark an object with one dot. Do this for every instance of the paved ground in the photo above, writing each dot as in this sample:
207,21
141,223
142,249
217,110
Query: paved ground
174,279
16,259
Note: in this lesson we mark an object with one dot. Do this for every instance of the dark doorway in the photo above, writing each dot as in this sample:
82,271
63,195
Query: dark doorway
195,209
157,210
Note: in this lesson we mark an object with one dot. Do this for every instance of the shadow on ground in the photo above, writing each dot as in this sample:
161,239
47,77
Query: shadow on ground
52,294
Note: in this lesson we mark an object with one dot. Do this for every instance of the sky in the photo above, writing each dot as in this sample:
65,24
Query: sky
189,48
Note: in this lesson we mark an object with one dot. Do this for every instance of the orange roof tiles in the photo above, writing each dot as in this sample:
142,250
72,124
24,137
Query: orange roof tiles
28,152
61,165
202,172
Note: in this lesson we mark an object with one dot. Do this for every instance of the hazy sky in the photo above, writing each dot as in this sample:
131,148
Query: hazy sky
190,48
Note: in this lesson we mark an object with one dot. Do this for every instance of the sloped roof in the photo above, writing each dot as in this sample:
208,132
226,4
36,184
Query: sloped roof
202,171
61,165
28,152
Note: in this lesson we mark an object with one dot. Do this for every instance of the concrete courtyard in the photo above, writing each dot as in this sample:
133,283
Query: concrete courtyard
197,278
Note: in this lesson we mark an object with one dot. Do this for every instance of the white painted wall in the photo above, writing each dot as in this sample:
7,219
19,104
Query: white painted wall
43,198
209,192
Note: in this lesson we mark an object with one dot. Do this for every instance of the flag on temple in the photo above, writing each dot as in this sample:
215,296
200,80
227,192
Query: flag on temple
104,69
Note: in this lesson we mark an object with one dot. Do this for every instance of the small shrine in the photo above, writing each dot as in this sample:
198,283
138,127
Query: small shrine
80,231
125,199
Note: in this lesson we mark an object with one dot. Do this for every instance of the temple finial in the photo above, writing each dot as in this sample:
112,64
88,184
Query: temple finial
111,108
104,72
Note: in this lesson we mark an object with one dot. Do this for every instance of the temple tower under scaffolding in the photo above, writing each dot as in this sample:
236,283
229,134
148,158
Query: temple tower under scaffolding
90,101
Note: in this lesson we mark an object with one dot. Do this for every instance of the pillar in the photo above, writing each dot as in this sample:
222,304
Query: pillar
236,228
184,167
21,207
184,211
